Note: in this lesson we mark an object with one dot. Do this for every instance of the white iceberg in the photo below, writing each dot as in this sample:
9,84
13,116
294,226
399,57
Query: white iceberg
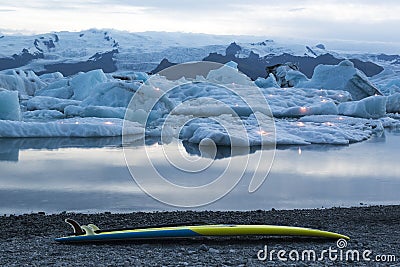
343,76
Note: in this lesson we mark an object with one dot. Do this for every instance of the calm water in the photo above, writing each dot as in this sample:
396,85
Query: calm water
90,175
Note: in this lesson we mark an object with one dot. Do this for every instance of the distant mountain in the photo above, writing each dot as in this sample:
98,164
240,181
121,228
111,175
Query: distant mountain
254,66
111,50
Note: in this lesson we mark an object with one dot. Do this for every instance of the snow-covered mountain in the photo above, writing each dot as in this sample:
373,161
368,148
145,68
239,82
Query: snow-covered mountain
117,50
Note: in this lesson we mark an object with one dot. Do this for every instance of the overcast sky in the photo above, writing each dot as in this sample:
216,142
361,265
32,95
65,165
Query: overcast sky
362,20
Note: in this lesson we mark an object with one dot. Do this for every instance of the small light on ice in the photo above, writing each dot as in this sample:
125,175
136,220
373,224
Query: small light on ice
329,123
262,132
236,105
157,89
340,95
303,109
324,100
108,123
77,122
300,124
340,118
299,151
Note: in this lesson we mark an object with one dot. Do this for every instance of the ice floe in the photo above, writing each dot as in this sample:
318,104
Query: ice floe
225,107
74,127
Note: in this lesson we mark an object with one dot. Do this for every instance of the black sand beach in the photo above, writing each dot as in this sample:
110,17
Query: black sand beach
28,240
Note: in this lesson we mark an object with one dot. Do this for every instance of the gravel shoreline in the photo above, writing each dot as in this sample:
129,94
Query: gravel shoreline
28,240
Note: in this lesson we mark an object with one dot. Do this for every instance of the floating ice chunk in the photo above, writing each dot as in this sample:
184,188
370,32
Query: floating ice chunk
228,75
388,122
84,84
341,77
62,92
26,83
327,107
294,77
321,129
232,64
342,127
112,94
51,77
131,76
46,102
268,82
371,107
59,89
393,103
387,81
9,105
75,127
95,111
43,115
296,102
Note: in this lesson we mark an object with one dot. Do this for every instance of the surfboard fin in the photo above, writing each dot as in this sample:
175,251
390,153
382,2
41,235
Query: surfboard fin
75,225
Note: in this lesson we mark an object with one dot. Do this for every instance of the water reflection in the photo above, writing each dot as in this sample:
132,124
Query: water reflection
90,174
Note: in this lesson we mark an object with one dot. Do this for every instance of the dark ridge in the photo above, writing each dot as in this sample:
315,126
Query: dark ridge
49,44
232,49
385,57
254,66
370,69
320,46
311,51
104,61
36,44
16,61
163,65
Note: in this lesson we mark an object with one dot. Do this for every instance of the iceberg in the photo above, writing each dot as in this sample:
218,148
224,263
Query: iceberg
95,111
393,103
42,115
343,76
112,94
9,105
74,127
84,84
49,103
26,83
268,82
371,107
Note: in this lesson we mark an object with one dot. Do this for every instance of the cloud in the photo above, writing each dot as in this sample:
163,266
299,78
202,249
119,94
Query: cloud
334,19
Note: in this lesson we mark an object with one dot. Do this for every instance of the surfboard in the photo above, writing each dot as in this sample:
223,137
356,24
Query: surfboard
91,233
